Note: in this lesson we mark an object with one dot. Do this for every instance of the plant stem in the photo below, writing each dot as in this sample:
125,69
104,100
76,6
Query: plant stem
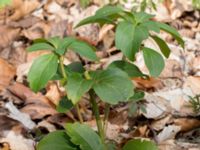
61,59
95,110
79,113
62,67
106,115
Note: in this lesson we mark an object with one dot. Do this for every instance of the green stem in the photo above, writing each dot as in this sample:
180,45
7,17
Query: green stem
106,115
62,67
95,110
79,113
61,60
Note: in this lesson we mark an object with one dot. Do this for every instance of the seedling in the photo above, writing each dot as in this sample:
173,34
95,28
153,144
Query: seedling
195,103
112,85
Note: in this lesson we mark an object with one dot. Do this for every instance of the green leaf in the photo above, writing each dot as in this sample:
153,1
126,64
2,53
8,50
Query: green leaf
63,45
112,85
131,69
162,45
129,37
138,144
57,140
55,41
84,136
42,70
151,26
77,86
104,15
142,17
171,31
74,67
83,49
138,95
3,3
154,61
40,46
64,105
109,10
124,39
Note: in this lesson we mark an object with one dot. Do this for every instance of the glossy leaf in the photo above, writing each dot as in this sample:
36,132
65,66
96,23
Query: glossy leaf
40,46
131,69
154,61
64,105
83,49
171,31
57,140
77,86
139,144
162,45
83,136
112,85
42,70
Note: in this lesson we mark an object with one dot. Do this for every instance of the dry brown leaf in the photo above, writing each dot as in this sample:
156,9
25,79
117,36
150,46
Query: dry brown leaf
27,22
7,72
7,35
53,93
187,124
151,83
38,30
160,124
172,69
23,8
194,83
36,105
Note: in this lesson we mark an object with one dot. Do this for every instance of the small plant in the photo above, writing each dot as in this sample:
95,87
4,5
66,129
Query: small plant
112,85
195,103
4,3
196,4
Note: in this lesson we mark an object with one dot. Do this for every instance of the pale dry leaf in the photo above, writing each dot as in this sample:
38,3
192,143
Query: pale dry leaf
38,30
17,142
7,35
21,117
194,83
7,72
168,132
172,69
156,107
24,8
161,123
104,30
53,93
36,105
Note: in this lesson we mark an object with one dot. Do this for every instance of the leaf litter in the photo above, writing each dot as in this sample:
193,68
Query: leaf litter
167,102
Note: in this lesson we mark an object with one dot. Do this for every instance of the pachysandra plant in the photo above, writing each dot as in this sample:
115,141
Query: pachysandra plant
112,85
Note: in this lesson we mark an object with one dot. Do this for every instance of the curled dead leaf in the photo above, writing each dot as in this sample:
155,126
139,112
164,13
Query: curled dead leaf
7,72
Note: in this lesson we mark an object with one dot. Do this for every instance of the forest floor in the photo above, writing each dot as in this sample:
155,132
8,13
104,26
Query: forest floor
169,118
